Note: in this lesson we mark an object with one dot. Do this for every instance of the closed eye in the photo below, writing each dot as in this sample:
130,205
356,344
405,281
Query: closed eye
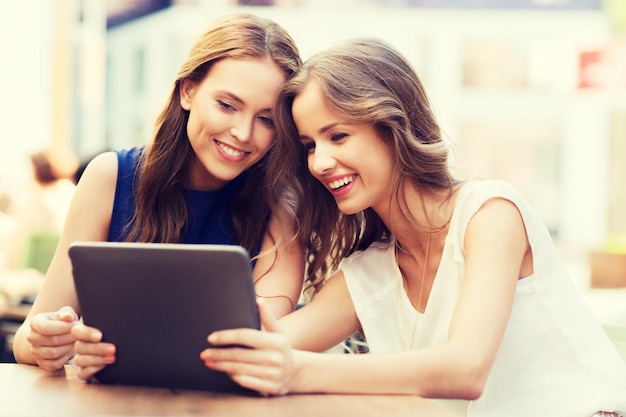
338,136
268,121
225,105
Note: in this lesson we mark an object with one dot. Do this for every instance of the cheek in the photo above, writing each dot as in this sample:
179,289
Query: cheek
191,128
382,159
194,124
264,138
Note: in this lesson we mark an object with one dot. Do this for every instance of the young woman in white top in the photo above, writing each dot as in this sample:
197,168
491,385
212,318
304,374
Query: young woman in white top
456,286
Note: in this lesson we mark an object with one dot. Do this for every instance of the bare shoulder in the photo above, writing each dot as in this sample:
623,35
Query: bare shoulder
90,212
101,169
497,225
497,212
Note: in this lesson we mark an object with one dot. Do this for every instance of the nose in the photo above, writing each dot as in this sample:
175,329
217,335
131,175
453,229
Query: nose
242,128
321,160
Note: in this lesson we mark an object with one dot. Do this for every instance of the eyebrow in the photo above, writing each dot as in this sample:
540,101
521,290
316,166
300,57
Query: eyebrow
323,129
239,99
329,126
233,96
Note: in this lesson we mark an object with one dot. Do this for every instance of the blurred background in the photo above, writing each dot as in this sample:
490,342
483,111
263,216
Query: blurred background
530,91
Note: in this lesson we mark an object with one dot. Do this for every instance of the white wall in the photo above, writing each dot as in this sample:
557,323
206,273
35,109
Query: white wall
25,85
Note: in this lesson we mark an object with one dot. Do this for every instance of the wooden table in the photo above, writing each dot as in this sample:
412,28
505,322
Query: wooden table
29,391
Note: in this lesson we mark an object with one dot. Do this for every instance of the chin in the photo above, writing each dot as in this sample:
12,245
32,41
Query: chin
349,210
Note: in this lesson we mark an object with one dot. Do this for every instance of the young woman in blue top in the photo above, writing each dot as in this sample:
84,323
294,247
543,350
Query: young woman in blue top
201,180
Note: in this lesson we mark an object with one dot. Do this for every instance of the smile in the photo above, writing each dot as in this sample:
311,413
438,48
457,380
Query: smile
230,151
342,182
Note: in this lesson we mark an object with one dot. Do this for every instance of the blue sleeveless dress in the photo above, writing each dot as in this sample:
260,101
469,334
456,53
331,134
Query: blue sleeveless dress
209,211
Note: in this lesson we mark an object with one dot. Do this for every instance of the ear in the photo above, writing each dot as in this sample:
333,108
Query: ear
186,92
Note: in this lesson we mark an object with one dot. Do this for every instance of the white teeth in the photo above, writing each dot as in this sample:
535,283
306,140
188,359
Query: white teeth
230,151
341,182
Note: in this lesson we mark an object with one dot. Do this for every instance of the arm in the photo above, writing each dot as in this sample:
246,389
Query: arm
279,275
44,338
496,248
495,244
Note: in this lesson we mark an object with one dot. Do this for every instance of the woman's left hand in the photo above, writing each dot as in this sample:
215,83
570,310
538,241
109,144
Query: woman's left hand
261,360
92,354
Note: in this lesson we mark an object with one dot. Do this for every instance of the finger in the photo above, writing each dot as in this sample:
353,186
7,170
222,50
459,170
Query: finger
86,333
53,359
67,314
48,325
47,365
92,357
272,357
94,349
52,352
252,338
50,335
268,380
87,360
87,373
259,370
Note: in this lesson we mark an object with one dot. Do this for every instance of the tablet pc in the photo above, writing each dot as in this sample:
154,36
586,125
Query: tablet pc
158,303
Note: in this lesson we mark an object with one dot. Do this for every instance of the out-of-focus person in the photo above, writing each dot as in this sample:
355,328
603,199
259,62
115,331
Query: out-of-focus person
39,209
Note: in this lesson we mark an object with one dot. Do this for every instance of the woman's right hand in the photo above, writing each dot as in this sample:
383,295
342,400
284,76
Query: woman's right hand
91,353
265,364
50,338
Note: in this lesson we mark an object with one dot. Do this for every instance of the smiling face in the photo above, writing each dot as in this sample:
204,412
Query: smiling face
351,160
230,125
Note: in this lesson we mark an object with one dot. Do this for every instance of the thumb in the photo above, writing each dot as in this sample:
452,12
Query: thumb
67,314
268,321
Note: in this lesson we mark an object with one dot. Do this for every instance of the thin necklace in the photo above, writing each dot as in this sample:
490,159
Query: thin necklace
419,300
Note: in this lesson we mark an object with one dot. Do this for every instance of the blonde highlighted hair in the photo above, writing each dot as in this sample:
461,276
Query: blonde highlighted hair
367,82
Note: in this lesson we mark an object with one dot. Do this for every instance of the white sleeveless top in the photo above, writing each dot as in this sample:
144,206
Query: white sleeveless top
554,360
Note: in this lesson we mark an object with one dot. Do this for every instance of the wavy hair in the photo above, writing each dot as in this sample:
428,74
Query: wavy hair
161,214
367,82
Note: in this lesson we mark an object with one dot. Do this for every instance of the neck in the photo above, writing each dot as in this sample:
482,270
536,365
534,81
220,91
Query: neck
416,216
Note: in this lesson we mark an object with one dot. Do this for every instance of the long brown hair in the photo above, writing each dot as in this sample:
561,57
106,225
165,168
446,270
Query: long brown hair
161,214
370,83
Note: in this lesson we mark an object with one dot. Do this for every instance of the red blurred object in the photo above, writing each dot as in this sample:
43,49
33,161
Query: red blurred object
589,62
604,68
